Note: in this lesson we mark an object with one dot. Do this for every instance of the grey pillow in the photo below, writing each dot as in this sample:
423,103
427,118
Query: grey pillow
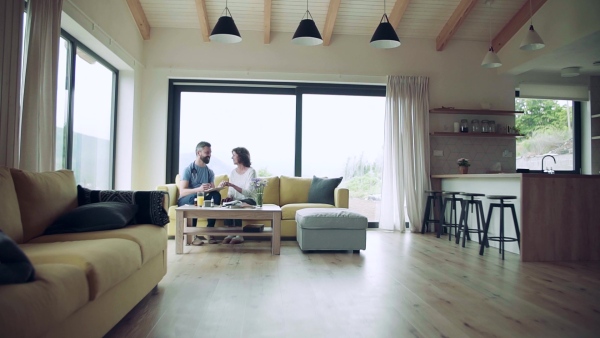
94,217
15,267
321,190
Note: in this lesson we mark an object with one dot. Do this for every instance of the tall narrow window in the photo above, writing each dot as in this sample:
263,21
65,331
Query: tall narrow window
85,114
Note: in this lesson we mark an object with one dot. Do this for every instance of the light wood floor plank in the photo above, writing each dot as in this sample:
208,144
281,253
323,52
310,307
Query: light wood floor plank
403,285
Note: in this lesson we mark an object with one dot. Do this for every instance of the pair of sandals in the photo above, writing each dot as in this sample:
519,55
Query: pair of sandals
233,240
198,240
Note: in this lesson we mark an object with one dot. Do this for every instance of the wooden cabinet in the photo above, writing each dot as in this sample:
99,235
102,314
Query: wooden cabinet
443,127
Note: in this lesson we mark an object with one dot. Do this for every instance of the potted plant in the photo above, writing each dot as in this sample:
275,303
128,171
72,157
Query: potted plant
463,165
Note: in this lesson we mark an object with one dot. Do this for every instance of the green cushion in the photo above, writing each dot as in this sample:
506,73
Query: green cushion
321,190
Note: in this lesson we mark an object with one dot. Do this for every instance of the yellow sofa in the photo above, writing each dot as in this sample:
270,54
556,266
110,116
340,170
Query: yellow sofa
84,283
290,193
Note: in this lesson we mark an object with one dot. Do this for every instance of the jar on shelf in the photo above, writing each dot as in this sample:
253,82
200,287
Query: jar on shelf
475,127
492,126
464,126
485,127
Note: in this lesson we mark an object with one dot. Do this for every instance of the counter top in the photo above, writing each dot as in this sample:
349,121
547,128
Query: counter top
532,175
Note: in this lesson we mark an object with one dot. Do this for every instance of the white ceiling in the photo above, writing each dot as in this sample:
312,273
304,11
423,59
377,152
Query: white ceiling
423,19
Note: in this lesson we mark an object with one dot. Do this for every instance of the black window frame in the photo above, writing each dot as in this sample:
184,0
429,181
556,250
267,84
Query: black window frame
577,151
177,86
73,44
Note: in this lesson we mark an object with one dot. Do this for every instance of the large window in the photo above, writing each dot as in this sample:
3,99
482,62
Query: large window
290,129
550,128
86,98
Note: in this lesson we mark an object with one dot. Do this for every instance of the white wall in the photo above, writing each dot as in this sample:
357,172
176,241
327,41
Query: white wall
456,77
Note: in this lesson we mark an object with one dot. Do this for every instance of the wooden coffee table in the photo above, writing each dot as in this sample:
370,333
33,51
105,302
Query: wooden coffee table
267,212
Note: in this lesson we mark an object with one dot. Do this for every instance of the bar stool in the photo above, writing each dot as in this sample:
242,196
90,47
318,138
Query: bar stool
453,201
463,225
502,239
433,197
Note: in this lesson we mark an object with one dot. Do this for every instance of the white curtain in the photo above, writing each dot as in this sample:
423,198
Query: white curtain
38,130
11,27
406,152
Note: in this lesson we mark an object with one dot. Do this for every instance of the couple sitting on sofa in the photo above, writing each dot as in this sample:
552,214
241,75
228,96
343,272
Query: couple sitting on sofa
199,178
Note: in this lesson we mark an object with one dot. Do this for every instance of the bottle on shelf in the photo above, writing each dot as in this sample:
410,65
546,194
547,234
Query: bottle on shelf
464,126
475,127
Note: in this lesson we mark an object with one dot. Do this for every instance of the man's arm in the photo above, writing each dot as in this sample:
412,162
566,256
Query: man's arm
184,189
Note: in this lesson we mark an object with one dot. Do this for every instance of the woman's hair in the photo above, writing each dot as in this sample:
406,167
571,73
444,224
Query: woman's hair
243,156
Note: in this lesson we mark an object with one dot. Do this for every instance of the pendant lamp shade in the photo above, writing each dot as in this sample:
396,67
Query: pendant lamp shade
385,35
225,30
491,59
307,33
532,40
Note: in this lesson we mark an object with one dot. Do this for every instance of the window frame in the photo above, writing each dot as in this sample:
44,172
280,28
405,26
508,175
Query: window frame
73,44
177,86
577,153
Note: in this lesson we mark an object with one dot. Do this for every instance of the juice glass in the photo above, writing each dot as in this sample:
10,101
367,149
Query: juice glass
199,199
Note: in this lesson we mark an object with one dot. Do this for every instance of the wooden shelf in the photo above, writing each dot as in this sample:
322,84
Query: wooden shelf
475,135
596,116
473,111
595,137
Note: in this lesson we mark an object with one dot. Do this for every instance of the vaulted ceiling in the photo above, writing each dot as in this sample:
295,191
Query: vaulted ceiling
440,21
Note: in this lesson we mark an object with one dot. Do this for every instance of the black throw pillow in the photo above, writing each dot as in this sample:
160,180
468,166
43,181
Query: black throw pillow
321,190
150,203
94,217
15,267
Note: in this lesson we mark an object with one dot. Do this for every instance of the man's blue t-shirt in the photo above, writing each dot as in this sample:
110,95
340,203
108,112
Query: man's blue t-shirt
196,176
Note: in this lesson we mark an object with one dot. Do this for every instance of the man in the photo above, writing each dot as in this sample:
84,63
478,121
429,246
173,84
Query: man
198,178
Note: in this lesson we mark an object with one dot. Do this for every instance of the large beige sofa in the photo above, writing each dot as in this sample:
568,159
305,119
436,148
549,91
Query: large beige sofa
290,193
84,283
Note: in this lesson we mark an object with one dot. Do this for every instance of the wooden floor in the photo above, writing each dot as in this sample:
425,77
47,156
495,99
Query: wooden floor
403,285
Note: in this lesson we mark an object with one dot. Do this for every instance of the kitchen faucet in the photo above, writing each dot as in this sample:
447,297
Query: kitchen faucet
549,171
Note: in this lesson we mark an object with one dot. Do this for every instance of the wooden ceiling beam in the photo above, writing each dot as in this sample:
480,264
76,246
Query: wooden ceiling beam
202,19
515,23
456,20
140,18
398,12
267,23
332,12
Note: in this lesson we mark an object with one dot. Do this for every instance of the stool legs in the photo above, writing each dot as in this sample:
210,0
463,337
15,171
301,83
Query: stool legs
464,225
453,212
431,200
501,238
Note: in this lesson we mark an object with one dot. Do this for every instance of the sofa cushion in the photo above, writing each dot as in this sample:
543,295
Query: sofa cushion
151,239
271,192
94,217
150,203
321,190
30,310
43,197
15,267
288,211
334,218
10,216
293,189
106,262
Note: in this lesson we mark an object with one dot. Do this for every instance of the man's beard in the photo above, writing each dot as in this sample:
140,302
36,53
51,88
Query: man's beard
206,159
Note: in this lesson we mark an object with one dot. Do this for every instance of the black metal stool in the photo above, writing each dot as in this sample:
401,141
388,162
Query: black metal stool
453,201
502,239
433,197
463,225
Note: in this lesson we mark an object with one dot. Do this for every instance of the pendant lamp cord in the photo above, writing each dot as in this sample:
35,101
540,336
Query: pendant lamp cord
490,24
530,14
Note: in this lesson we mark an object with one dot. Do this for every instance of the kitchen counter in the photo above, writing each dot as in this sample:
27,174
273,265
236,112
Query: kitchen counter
558,214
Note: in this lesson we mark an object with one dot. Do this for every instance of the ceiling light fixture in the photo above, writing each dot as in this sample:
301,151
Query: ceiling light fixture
307,33
225,30
491,59
570,71
385,35
532,40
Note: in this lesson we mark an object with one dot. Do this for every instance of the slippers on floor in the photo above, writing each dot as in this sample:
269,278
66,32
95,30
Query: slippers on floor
237,240
197,241
212,240
227,239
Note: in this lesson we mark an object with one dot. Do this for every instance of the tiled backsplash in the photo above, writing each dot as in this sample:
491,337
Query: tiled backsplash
483,154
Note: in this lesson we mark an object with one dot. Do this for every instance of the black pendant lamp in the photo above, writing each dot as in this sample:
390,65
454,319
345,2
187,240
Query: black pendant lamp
307,33
225,30
385,35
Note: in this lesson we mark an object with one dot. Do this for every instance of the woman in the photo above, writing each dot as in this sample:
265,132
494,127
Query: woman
240,187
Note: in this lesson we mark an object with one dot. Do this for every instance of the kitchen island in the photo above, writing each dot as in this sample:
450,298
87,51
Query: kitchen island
559,215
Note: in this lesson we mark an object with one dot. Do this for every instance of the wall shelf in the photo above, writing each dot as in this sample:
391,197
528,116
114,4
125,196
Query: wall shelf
596,116
475,135
473,111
